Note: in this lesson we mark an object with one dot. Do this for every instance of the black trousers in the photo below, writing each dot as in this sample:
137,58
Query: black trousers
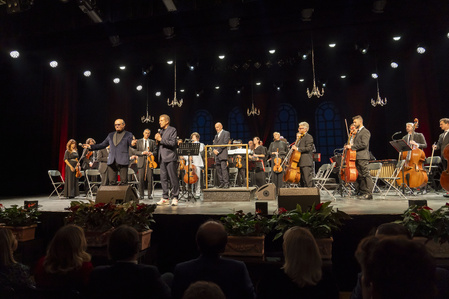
277,179
148,181
306,176
169,171
366,182
115,169
222,171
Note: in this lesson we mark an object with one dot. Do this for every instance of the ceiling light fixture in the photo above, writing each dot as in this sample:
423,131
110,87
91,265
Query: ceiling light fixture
53,63
396,38
272,51
116,80
14,54
175,101
146,118
315,91
221,57
87,73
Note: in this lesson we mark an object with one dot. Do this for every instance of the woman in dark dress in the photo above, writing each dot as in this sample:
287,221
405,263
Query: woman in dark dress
302,275
71,159
259,157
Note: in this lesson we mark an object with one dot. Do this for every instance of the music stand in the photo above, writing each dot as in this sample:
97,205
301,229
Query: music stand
189,149
401,146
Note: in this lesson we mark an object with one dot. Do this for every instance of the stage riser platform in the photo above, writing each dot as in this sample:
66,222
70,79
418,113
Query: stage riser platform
229,195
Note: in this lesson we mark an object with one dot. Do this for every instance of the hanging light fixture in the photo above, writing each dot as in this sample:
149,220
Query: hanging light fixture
315,91
148,118
253,111
175,101
379,100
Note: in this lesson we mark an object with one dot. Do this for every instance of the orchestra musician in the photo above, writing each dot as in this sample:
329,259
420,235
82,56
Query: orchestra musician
71,187
221,155
118,158
414,138
277,149
306,148
241,172
443,141
102,158
198,162
361,146
87,161
145,148
259,156
167,157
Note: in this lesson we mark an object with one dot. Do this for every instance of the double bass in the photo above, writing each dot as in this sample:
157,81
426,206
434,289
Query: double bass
413,172
292,173
348,170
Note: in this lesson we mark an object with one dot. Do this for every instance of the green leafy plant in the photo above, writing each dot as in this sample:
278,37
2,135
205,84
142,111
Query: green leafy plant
19,216
241,224
320,219
428,223
102,217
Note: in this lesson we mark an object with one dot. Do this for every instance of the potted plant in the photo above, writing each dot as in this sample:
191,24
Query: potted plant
321,219
99,219
21,220
430,227
246,233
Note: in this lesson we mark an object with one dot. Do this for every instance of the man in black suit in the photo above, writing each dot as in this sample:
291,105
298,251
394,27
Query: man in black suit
125,278
443,141
118,158
361,146
145,148
306,148
230,275
168,158
103,166
221,155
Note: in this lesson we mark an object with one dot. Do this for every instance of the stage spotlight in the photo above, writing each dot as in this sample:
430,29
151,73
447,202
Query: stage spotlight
258,83
217,87
305,56
158,93
332,45
192,65
198,93
301,80
14,54
122,67
396,38
272,51
221,57
182,90
139,87
87,73
374,76
421,50
394,64
53,63
116,80
278,86
343,76
169,61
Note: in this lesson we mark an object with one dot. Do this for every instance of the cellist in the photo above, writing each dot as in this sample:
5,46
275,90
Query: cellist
306,148
277,149
361,146
414,139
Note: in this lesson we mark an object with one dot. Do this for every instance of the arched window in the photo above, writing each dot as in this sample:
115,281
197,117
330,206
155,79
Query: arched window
202,123
237,126
329,130
286,122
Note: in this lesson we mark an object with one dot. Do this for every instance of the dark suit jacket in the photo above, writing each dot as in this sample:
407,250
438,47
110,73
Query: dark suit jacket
232,276
103,159
127,280
306,147
117,153
222,151
167,145
442,143
361,144
140,148
418,138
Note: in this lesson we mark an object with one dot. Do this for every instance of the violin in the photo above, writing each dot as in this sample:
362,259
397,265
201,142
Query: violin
89,154
414,174
277,168
151,162
238,162
292,172
78,172
348,170
444,178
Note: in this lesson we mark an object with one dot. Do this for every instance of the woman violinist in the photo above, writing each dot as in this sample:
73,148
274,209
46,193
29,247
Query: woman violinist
198,163
306,148
277,150
259,157
71,187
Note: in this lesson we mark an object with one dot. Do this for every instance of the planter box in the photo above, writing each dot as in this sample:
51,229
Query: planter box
436,249
23,233
97,239
145,238
325,247
245,246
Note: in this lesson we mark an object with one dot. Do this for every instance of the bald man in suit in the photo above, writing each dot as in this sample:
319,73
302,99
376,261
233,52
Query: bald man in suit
221,155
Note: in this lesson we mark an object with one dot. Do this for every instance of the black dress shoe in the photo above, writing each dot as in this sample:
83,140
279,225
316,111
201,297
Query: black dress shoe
226,186
446,195
221,186
150,197
367,197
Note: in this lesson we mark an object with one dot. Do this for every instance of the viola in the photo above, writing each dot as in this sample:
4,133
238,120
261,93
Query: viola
292,172
277,168
413,172
444,179
348,170
238,162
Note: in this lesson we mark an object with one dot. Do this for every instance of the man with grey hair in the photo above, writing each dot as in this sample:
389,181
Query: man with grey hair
306,147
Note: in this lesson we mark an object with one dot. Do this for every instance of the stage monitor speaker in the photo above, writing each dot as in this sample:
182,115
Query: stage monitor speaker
266,192
288,198
417,202
116,194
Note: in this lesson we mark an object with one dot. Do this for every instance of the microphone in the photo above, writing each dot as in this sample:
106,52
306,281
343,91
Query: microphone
392,136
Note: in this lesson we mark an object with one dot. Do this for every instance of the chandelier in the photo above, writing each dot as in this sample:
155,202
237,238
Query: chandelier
315,91
175,101
379,100
254,111
148,118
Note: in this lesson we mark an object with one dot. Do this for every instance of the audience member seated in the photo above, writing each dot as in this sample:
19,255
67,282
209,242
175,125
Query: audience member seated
395,267
14,277
125,278
302,275
203,290
67,266
230,275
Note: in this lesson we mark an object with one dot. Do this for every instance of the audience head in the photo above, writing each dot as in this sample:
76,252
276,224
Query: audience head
393,229
211,238
8,244
124,243
203,290
302,257
395,267
67,250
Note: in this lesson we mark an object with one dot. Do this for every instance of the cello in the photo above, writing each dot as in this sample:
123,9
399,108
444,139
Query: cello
292,173
348,170
444,178
413,172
